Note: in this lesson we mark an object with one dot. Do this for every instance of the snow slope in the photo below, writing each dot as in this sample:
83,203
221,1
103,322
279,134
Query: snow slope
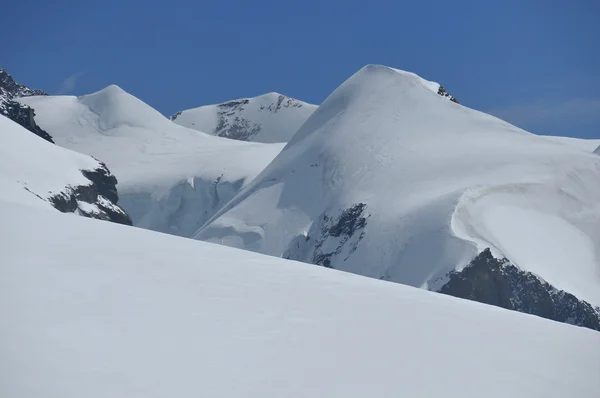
588,145
389,180
269,117
151,315
38,173
171,178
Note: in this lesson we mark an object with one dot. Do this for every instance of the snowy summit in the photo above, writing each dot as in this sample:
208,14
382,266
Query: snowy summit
271,117
390,180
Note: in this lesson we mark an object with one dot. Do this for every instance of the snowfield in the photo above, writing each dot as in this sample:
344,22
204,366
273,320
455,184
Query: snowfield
390,180
171,178
96,309
33,170
269,117
588,145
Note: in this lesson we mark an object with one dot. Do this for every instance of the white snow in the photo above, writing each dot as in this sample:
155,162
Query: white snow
585,144
440,182
171,178
32,169
92,309
275,116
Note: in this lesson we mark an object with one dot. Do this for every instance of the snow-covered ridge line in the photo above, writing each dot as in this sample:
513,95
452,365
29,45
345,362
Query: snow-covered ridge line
172,179
37,172
270,117
390,180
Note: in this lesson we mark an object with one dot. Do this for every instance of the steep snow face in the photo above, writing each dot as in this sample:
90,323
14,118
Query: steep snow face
390,180
270,117
40,174
597,151
171,179
151,315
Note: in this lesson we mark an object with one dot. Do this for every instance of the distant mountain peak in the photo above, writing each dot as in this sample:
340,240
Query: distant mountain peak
270,117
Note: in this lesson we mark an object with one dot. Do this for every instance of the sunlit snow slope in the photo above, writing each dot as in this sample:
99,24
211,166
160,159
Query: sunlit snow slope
588,145
270,117
171,178
38,173
390,180
101,310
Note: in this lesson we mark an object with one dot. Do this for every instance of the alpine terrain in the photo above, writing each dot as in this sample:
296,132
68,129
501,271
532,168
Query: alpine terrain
391,179
151,315
270,117
40,174
20,113
171,179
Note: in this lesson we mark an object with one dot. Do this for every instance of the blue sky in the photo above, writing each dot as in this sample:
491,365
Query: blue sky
534,63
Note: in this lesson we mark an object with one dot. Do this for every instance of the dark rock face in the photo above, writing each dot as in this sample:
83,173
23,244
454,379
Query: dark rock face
23,115
499,282
332,238
442,91
335,233
19,113
101,194
232,124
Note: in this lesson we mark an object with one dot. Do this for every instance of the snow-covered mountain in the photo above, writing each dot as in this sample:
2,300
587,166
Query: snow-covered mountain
390,180
152,315
267,118
585,144
22,114
171,179
40,174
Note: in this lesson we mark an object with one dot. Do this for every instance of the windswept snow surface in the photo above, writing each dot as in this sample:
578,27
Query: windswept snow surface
390,180
588,145
171,178
33,170
101,310
269,117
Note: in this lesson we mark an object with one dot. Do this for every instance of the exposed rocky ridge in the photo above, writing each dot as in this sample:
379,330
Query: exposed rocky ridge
97,200
499,282
17,112
442,91
335,236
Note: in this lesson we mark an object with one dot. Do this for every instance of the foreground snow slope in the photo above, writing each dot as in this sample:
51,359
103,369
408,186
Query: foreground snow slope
390,180
101,310
40,174
270,117
171,179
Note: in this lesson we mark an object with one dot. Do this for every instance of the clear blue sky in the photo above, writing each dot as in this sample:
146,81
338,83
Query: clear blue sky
535,63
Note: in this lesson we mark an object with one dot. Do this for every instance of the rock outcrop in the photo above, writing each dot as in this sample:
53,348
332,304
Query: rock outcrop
499,282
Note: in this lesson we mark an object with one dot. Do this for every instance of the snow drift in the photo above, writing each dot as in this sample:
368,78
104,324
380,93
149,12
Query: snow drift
390,180
171,178
151,315
270,117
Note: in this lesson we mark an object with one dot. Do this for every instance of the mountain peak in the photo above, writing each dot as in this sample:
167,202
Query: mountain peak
114,107
270,117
